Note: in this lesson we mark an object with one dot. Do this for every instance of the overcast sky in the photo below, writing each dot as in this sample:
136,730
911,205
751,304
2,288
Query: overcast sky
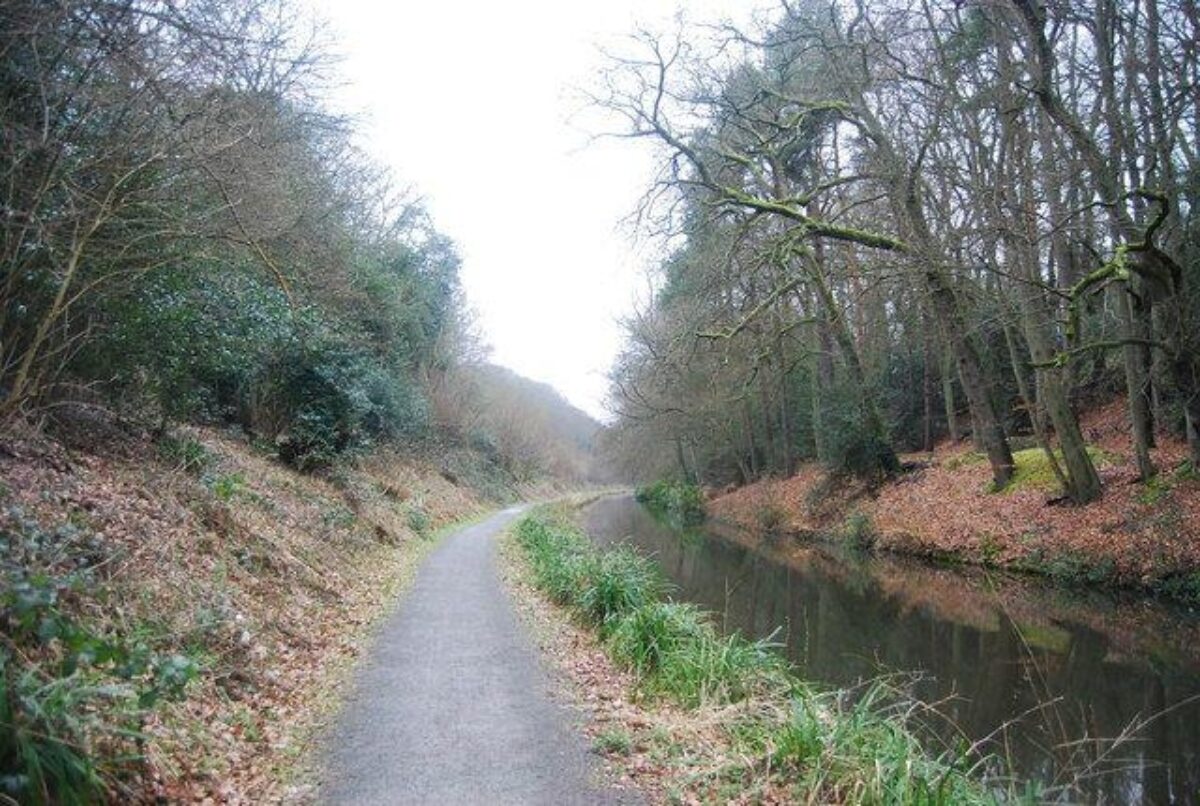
472,103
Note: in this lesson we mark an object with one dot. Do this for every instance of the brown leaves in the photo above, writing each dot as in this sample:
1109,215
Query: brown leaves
945,508
274,583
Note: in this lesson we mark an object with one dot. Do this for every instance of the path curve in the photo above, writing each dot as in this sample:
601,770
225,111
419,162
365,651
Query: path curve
452,705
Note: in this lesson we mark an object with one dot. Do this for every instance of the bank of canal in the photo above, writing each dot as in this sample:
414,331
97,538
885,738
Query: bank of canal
1049,675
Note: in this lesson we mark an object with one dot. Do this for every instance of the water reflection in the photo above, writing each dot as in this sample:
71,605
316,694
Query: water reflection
991,650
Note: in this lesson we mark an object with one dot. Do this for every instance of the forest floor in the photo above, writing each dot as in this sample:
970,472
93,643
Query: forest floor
270,580
1136,535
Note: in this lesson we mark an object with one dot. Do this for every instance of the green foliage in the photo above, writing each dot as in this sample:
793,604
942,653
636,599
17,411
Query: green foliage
417,519
674,648
228,486
601,586
859,532
965,460
1033,470
189,339
324,397
614,740
72,695
206,344
678,500
770,517
711,668
339,517
1072,567
647,638
616,582
184,453
1183,587
852,446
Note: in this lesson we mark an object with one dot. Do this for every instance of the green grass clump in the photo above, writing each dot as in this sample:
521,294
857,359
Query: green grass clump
831,746
184,453
616,583
648,638
771,518
857,749
677,500
677,652
1033,468
615,740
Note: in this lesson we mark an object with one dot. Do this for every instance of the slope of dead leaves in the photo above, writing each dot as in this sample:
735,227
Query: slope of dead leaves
944,508
273,577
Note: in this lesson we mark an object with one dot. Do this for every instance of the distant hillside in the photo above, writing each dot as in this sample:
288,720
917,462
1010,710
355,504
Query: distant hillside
525,425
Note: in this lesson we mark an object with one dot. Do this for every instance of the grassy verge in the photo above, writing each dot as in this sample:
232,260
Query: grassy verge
724,718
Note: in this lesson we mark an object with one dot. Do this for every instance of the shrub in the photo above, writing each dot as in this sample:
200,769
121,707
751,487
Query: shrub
417,519
852,447
188,338
184,453
771,517
680,501
323,398
859,532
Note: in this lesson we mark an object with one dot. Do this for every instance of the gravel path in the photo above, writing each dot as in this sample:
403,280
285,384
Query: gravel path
452,706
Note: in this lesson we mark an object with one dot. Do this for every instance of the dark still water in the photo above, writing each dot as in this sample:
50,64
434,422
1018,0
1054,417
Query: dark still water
1063,671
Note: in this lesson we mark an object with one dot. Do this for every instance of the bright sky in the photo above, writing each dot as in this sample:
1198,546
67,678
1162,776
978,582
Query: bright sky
472,104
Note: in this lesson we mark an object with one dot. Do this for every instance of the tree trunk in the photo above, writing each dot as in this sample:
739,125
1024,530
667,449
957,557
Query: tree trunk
1136,388
927,388
948,398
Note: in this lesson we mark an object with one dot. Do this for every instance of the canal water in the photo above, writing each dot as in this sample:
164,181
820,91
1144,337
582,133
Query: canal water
1047,678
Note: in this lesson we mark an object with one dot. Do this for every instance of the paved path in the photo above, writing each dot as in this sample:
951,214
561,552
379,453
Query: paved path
452,706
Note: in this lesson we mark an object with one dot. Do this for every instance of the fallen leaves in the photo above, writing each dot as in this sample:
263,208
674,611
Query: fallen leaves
274,588
944,508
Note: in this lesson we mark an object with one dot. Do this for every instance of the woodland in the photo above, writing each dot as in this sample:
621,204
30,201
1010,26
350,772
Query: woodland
890,224
929,279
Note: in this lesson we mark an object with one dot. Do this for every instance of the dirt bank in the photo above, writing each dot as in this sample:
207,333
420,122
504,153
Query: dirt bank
1137,535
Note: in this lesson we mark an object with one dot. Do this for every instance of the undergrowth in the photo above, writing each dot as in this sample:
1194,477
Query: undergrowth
73,694
823,746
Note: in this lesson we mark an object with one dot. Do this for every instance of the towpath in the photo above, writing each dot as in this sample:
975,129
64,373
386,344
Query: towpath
452,705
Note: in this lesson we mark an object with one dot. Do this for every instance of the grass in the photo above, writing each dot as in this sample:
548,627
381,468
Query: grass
858,531
614,740
779,731
1033,470
855,747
